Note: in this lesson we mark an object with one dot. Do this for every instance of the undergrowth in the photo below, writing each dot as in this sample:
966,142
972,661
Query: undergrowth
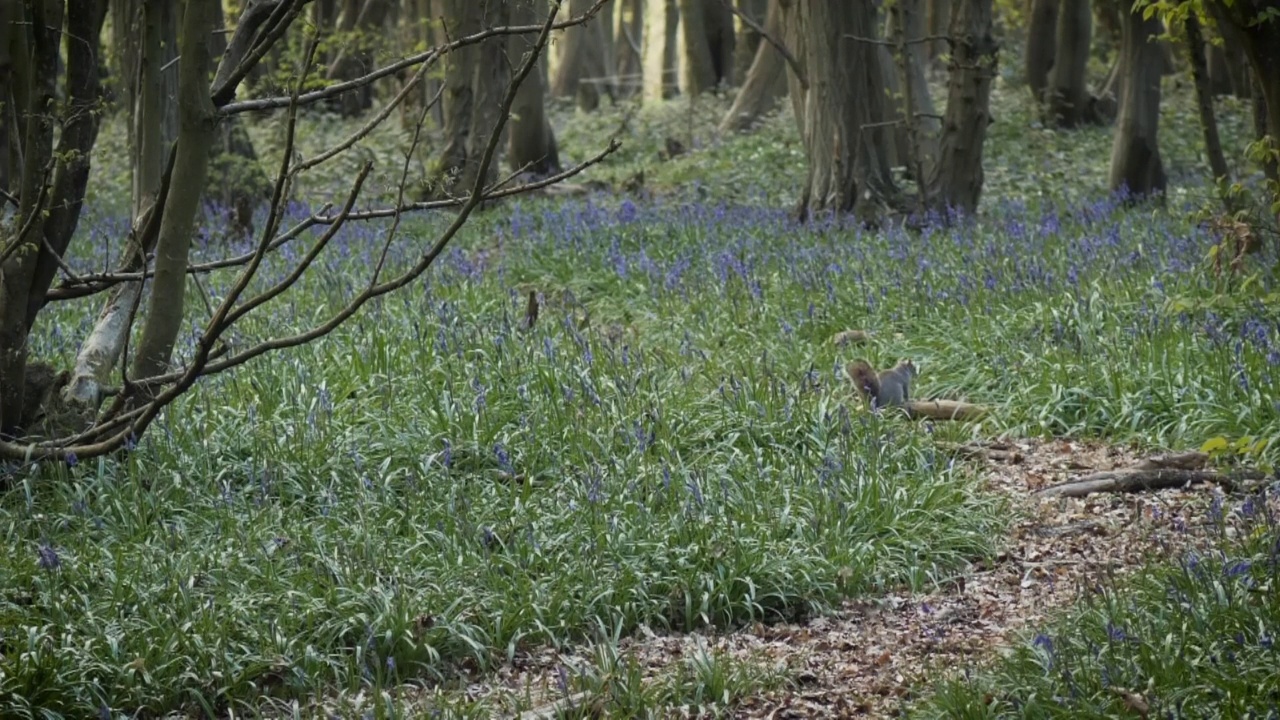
432,490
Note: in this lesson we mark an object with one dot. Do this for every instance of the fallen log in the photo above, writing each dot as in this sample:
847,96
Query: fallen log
944,410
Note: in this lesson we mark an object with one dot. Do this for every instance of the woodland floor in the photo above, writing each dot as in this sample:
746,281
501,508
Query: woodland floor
872,658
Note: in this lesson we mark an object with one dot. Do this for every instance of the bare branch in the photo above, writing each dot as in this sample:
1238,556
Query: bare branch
427,56
777,44
248,46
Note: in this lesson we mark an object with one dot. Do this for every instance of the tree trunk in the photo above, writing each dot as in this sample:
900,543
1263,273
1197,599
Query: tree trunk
1068,94
196,129
939,24
532,141
706,45
661,26
236,182
1261,42
362,25
1135,151
907,23
150,82
957,178
747,42
25,277
10,99
766,80
1042,32
628,30
475,78
581,71
847,168
1204,97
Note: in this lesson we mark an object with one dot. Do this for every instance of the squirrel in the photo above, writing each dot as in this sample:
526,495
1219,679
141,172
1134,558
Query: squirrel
889,388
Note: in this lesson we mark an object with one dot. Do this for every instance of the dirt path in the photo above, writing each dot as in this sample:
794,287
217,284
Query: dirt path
868,658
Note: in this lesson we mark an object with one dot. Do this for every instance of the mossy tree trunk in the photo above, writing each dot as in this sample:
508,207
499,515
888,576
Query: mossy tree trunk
747,40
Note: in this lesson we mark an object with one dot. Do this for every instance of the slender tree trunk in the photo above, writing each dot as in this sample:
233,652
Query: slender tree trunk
1135,152
532,142
582,55
705,41
747,41
628,34
1068,94
1204,97
847,168
661,26
766,80
956,179
1042,33
152,92
907,23
196,130
939,23
10,98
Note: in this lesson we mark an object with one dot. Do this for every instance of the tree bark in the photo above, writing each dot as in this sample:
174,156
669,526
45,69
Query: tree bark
196,129
747,41
939,23
661,26
907,22
150,82
1259,33
956,180
1068,95
1135,151
10,98
1042,32
1204,97
583,55
532,141
51,209
475,77
766,80
628,32
706,45
847,168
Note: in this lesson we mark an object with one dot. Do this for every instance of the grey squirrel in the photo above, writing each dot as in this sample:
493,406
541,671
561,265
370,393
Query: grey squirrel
889,388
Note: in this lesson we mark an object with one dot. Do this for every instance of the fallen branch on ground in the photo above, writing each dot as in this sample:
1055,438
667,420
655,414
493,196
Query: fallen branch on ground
1155,473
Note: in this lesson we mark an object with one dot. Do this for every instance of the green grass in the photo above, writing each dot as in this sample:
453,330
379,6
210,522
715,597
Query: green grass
1195,639
430,490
